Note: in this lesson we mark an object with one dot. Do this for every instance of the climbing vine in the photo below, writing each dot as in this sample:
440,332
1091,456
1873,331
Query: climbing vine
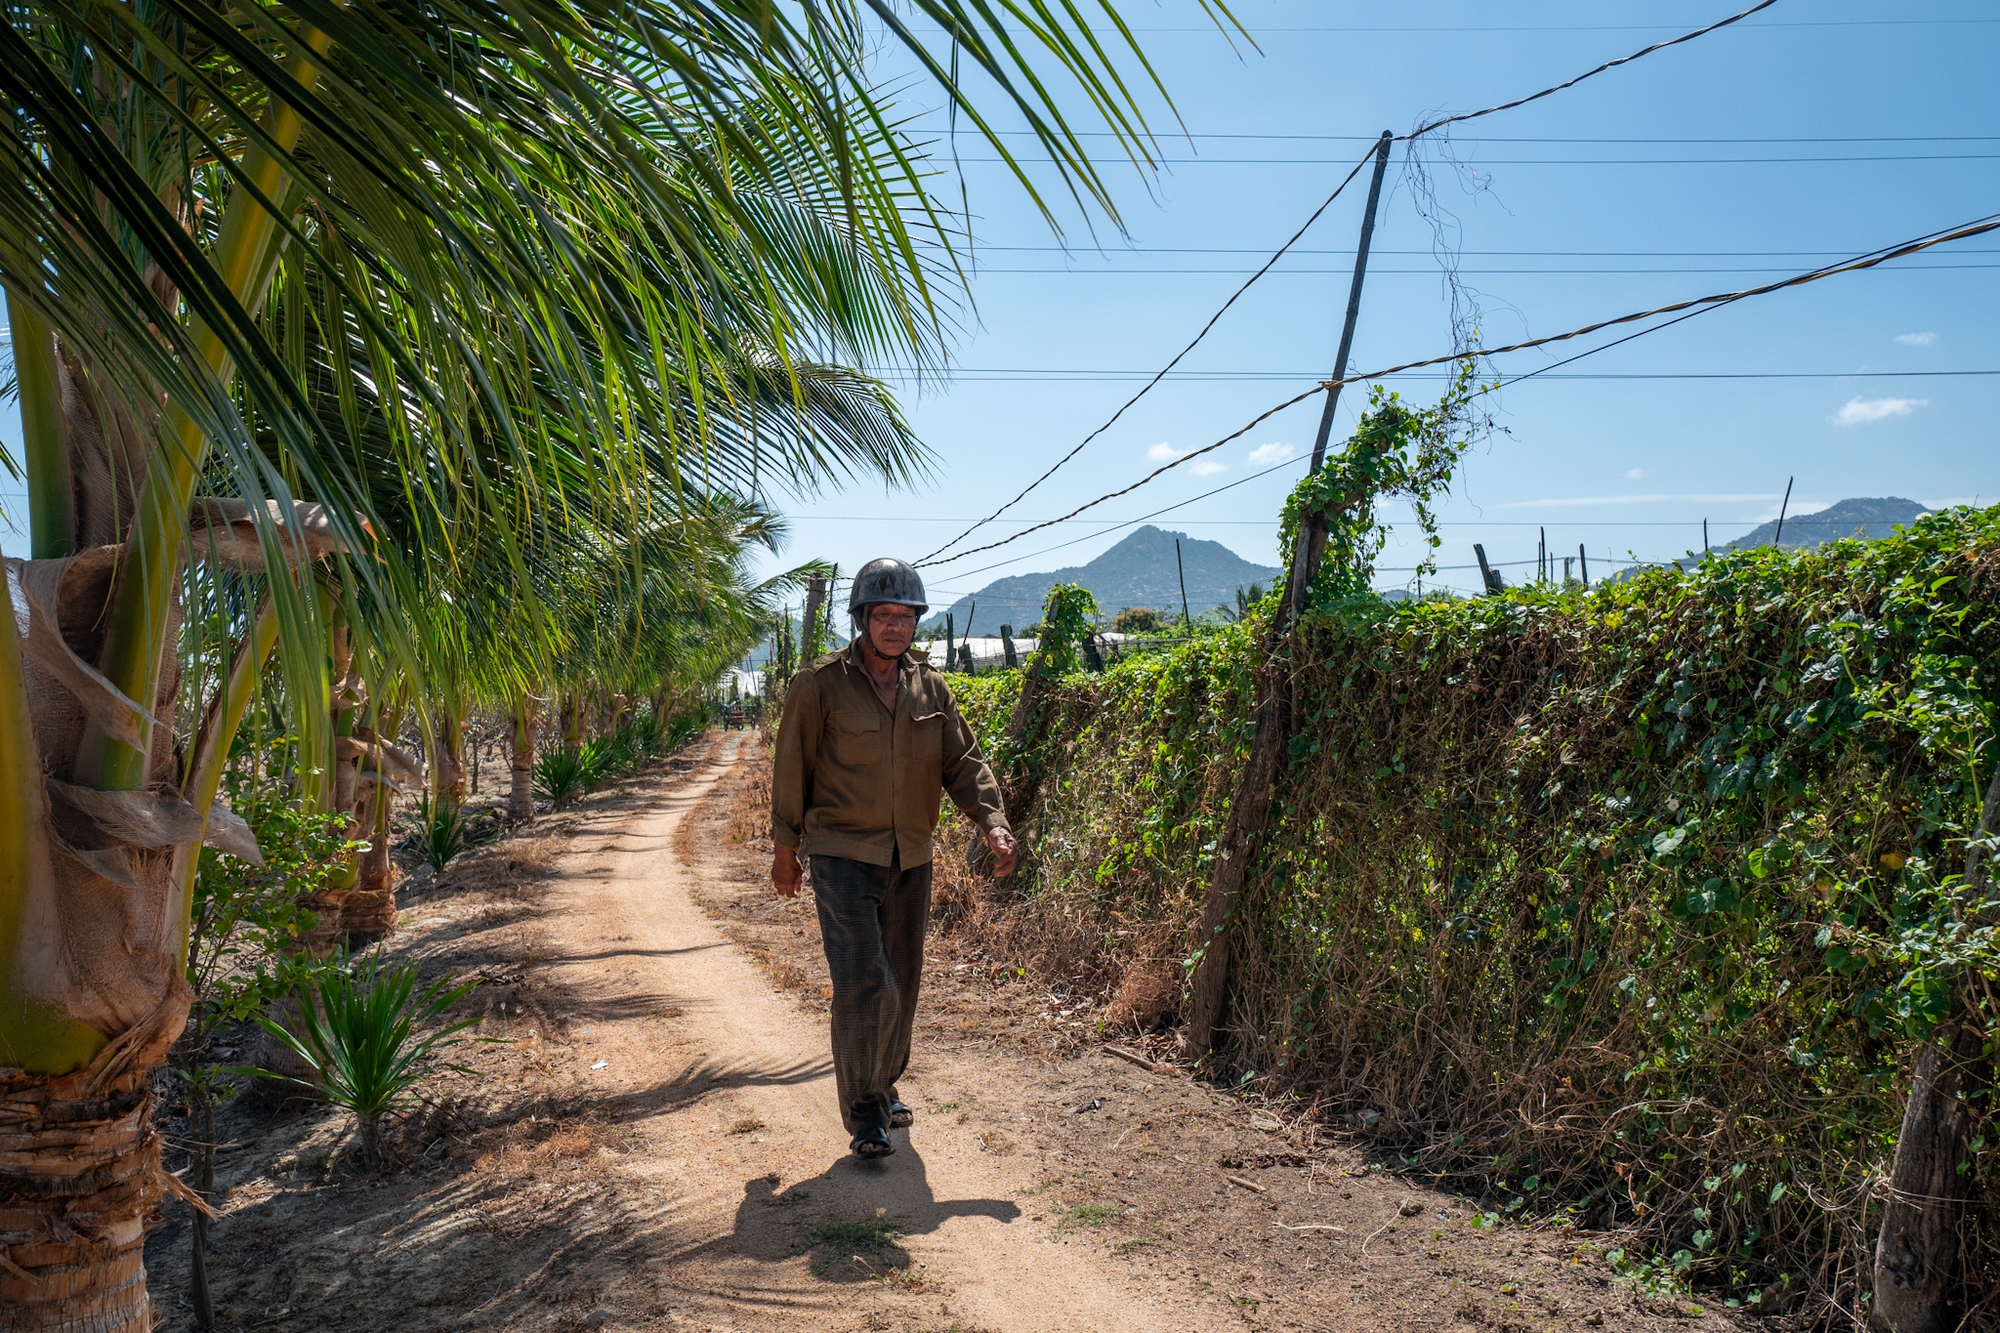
1624,907
1396,452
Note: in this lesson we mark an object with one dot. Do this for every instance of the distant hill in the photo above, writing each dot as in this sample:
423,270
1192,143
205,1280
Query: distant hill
1138,571
1859,517
1846,518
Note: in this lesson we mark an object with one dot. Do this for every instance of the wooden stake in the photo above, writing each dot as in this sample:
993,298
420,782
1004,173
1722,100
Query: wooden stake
1488,576
1182,573
1917,1253
1778,537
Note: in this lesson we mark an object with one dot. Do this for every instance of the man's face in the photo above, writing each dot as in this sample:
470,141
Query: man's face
891,628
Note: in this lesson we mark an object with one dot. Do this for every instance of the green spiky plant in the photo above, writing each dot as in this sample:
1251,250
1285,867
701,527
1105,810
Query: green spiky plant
440,830
365,1030
562,774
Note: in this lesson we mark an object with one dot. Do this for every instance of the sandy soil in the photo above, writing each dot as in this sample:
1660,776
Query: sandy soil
656,1145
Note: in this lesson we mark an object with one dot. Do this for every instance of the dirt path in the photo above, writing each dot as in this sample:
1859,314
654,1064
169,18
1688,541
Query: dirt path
742,1205
653,1143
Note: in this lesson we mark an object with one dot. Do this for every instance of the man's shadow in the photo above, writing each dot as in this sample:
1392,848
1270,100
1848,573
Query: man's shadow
852,1216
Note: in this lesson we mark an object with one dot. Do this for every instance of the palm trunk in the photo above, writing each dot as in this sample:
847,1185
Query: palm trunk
521,764
79,1190
448,762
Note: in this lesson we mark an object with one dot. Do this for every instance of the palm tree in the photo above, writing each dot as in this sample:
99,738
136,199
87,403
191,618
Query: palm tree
511,266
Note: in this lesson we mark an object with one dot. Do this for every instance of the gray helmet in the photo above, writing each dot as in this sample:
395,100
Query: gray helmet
886,580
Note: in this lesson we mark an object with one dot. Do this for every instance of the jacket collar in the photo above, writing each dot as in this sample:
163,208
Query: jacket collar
906,665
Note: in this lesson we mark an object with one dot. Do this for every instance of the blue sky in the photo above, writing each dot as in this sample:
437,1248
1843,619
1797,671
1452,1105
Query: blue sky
1805,134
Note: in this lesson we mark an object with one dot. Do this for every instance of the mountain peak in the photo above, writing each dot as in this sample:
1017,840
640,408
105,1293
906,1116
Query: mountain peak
1858,517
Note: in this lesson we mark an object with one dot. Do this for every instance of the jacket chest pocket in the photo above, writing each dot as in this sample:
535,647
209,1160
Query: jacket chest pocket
857,738
927,735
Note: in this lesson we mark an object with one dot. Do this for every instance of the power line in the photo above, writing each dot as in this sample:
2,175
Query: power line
1314,217
1569,161
1183,271
1178,356
995,375
1599,27
1484,138
1481,254
1114,523
1464,116
1692,307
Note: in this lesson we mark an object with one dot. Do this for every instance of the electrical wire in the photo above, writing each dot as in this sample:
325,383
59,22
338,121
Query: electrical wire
1569,161
1418,272
1178,357
1692,307
1418,132
1464,116
996,375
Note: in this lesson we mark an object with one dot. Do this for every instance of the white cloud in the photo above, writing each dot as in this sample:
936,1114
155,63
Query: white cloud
1634,473
1264,455
1861,411
1916,339
1208,467
1164,452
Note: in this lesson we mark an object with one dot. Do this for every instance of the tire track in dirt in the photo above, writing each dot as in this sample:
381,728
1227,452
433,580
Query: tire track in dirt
740,1164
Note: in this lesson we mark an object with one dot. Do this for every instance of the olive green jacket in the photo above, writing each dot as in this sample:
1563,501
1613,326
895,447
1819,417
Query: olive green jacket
856,780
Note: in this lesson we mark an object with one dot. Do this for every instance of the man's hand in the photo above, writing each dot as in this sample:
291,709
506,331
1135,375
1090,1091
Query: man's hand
1005,851
785,872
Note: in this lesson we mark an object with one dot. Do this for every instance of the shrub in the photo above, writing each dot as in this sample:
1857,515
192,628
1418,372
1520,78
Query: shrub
649,738
562,774
1140,620
440,830
684,730
359,1035
598,761
359,1031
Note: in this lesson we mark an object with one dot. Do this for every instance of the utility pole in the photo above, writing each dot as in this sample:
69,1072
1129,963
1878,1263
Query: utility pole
1183,578
1251,805
809,628
1778,537
1311,544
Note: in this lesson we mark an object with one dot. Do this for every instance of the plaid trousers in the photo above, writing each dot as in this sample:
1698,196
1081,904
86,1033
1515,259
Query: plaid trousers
871,920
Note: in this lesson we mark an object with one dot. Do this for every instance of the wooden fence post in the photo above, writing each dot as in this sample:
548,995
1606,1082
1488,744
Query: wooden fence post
1917,1277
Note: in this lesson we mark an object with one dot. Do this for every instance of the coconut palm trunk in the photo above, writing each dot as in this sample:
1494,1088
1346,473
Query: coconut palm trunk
448,754
95,818
521,763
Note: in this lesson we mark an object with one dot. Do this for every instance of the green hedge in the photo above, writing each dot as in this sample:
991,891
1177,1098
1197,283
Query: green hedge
1630,904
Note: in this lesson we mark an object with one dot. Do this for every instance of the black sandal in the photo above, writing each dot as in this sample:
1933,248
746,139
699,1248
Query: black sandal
900,1116
871,1144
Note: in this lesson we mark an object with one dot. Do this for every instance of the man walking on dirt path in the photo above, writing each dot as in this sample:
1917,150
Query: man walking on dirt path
870,739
